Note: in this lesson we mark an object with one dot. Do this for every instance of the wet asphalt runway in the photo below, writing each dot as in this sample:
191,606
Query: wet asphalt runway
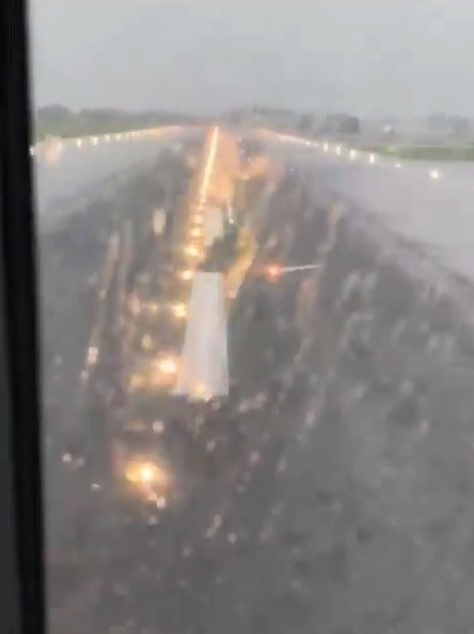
337,495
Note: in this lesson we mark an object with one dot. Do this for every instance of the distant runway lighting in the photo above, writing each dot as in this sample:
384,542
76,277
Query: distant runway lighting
159,221
352,155
179,311
192,250
107,138
338,150
118,137
326,147
398,165
434,174
95,140
137,381
146,474
134,305
196,232
153,308
168,366
92,355
147,342
372,159
201,392
274,271
79,142
187,275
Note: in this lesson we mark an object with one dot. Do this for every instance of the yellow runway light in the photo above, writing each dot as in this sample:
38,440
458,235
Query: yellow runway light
274,271
149,479
167,366
187,275
196,232
134,305
147,342
179,311
193,251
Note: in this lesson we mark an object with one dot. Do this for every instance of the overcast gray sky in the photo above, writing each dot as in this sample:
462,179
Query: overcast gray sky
397,56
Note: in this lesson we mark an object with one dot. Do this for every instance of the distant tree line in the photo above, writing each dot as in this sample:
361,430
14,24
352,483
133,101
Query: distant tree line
338,123
58,120
441,122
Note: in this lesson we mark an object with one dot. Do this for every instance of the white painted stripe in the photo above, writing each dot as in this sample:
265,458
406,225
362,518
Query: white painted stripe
203,369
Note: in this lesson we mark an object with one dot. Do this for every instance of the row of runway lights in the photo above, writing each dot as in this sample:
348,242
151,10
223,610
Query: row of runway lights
350,153
150,478
60,143
193,250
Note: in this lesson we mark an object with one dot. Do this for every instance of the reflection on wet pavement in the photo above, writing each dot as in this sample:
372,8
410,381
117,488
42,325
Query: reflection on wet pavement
330,492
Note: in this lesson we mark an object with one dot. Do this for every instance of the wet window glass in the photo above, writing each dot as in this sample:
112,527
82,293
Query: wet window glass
255,267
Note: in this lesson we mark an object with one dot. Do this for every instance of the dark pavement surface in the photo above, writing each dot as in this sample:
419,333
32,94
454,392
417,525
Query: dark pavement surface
331,494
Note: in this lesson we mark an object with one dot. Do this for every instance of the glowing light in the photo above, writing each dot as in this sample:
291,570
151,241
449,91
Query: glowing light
159,221
352,155
201,391
145,473
134,305
168,366
398,165
147,342
196,232
137,381
161,502
187,275
274,271
53,148
193,251
325,147
209,164
372,159
92,355
94,140
435,174
338,150
79,142
179,311
153,308
158,427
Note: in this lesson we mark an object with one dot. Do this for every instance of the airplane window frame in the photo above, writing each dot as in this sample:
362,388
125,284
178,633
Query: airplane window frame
21,537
